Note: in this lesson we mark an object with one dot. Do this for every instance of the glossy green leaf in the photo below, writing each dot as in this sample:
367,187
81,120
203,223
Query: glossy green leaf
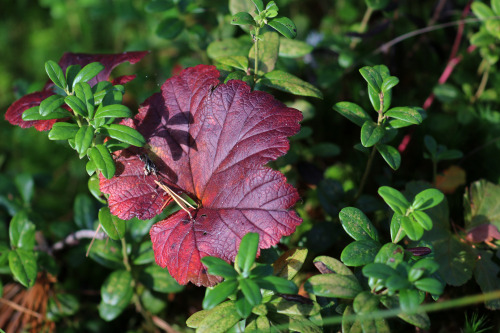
219,293
333,285
217,266
495,5
278,284
124,134
34,114
427,199
4,255
55,74
50,104
290,48
481,10
116,293
430,285
353,112
22,264
328,265
71,73
243,306
90,167
247,252
397,282
268,51
409,300
22,232
88,72
239,62
159,6
289,307
371,133
83,140
25,185
242,18
84,92
77,105
219,319
395,199
287,82
113,226
170,28
357,225
93,185
413,230
144,255
390,155
390,254
62,306
284,26
259,5
159,279
107,254
372,77
100,155
114,111
378,271
251,291
63,131
365,302
389,83
407,114
422,219
421,267
360,252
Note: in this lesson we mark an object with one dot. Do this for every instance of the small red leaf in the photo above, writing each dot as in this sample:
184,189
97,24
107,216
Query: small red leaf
15,111
483,233
211,141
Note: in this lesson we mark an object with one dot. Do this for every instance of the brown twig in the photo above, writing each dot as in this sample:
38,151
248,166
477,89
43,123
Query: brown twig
163,325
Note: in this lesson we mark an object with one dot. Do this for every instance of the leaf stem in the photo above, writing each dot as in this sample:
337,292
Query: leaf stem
484,80
362,26
256,41
365,174
126,262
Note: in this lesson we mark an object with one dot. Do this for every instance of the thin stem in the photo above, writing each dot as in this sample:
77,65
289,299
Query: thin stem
366,173
256,40
362,26
482,85
125,255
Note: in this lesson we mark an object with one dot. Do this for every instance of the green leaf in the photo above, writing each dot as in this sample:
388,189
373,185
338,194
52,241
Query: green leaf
83,140
357,225
365,302
247,252
4,255
77,105
239,62
243,306
22,232
287,82
446,92
71,73
219,293
219,319
333,285
427,199
423,266
284,26
94,188
371,133
63,131
395,199
397,282
289,307
227,48
360,252
377,4
406,114
390,254
280,285
420,319
413,230
456,260
217,266
422,219
378,271
389,83
390,155
397,232
55,74
25,185
290,48
159,6
259,5
449,154
50,104
290,263
353,112
112,225
22,264
328,265
486,274
34,114
113,111
116,293
84,92
409,300
251,291
84,211
268,51
481,10
373,78
144,255
100,155
88,72
430,285
63,305
170,28
242,18
124,134
482,204
159,279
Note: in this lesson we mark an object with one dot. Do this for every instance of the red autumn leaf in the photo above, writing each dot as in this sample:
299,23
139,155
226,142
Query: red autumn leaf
483,233
109,61
211,142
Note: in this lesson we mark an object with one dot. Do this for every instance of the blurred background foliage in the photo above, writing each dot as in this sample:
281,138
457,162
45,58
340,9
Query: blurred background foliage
321,161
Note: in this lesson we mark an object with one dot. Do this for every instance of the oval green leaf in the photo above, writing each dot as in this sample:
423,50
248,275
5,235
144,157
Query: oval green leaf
333,285
287,82
360,252
124,134
100,155
112,226
284,26
63,131
88,72
219,293
353,112
395,199
22,264
55,74
50,104
357,225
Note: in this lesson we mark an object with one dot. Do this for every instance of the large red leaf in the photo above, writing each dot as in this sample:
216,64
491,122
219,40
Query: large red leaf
210,141
15,111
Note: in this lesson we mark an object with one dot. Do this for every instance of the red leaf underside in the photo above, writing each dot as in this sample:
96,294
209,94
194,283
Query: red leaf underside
211,141
15,111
